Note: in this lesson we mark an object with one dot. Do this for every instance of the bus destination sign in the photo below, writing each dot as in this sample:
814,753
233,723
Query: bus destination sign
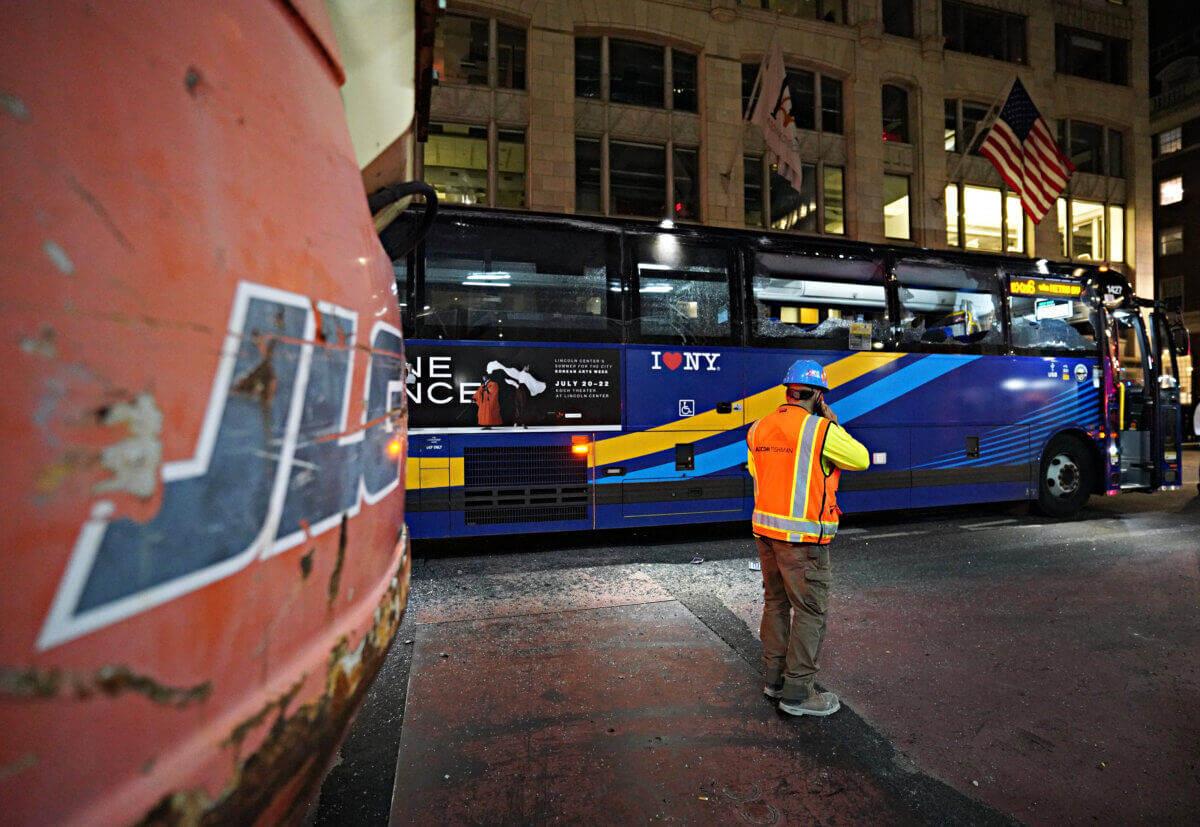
1044,287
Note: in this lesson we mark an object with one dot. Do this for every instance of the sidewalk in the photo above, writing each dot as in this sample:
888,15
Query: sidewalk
607,696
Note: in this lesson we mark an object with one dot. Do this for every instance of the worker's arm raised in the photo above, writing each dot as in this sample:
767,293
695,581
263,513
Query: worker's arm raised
844,451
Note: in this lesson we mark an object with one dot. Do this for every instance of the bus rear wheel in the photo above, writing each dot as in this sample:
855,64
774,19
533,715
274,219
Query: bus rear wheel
1066,477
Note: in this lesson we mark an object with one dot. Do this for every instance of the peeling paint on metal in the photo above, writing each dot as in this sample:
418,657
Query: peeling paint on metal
335,578
254,721
50,478
260,382
107,680
59,257
306,563
15,106
42,344
298,746
134,461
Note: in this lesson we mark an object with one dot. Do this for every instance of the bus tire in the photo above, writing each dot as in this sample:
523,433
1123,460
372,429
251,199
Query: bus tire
1066,477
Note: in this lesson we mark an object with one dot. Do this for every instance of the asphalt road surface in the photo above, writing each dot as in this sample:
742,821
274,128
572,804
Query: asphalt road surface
994,666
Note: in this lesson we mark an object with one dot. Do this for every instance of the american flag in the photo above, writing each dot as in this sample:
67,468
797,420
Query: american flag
1022,149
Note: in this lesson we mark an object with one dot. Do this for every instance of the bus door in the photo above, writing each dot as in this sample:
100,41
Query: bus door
1168,424
684,382
1136,400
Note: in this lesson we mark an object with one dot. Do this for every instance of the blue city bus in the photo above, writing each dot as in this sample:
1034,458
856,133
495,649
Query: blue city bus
569,373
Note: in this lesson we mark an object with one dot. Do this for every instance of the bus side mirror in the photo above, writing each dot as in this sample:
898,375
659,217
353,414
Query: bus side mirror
1180,342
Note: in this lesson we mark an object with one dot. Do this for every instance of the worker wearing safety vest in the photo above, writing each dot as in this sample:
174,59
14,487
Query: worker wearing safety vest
797,455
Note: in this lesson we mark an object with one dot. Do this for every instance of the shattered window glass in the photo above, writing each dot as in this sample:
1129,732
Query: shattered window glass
494,282
682,291
812,301
1051,323
948,305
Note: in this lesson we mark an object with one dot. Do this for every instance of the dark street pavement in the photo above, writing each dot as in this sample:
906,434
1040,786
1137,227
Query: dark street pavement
993,665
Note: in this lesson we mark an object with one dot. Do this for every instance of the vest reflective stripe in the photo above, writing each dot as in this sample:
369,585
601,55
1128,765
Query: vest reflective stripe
808,435
788,524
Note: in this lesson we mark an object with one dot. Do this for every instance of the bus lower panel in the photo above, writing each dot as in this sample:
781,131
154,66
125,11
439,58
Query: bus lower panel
935,496
717,511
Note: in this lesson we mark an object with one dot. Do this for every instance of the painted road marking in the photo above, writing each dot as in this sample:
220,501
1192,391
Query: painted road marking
992,524
892,534
844,531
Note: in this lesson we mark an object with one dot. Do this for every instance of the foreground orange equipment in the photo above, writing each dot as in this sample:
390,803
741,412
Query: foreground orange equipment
203,430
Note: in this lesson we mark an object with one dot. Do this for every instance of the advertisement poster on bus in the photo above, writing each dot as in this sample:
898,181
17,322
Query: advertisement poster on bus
455,387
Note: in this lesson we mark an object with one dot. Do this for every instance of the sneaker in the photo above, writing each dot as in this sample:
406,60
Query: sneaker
822,704
772,692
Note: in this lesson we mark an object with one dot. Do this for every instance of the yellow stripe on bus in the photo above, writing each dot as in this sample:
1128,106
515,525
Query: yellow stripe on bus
664,437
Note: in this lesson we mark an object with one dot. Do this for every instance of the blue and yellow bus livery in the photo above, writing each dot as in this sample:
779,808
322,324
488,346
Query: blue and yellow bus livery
624,362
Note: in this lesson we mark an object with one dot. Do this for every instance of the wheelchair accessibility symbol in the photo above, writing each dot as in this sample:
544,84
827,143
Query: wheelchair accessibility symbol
687,407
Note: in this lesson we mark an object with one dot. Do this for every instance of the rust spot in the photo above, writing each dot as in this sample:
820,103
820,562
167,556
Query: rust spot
192,80
116,680
30,683
295,753
306,563
260,382
108,680
320,335
255,721
335,579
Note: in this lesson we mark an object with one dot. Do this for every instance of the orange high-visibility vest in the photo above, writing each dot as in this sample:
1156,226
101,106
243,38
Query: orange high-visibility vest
794,499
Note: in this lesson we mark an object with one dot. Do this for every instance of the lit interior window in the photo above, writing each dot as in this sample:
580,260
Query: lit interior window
1116,233
1087,230
1015,230
952,215
984,222
896,221
1170,191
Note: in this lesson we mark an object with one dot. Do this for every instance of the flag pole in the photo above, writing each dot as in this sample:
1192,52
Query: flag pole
988,121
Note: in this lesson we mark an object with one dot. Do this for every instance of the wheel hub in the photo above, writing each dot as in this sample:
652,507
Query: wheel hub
1062,476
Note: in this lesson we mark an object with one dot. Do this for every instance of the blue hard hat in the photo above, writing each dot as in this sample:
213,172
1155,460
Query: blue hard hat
806,372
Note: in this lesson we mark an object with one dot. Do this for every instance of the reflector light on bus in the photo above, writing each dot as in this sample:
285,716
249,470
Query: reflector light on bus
394,448
579,449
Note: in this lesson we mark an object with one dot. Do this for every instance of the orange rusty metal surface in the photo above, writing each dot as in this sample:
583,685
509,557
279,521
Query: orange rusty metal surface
161,163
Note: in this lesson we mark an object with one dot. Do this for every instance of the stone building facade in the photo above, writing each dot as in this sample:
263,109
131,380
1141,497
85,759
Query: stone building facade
1175,123
582,106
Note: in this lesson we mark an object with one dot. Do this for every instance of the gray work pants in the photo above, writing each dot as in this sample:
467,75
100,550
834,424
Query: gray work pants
796,602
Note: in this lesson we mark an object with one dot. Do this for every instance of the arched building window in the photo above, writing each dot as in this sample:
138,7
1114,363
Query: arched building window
895,114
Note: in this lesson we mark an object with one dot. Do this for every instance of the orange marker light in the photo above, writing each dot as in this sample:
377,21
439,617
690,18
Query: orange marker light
394,448
579,448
